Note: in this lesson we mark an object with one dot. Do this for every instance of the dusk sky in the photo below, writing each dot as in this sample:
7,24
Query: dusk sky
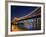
19,11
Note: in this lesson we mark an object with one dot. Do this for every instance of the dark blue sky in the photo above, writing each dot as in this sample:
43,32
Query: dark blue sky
19,11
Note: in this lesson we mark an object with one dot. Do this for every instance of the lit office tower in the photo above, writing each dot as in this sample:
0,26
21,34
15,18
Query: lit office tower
39,23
